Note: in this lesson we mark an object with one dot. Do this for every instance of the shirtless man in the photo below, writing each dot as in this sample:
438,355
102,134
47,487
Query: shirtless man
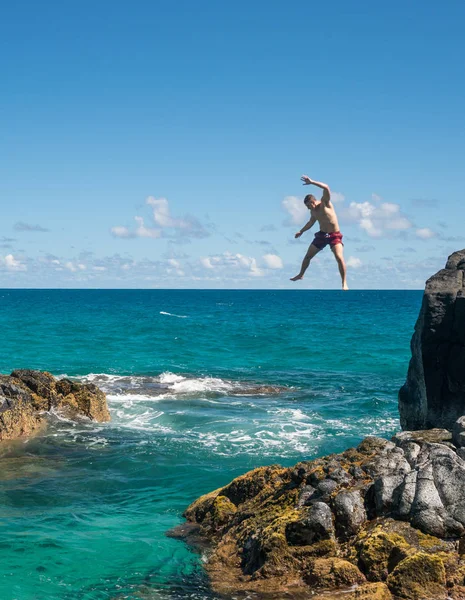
323,212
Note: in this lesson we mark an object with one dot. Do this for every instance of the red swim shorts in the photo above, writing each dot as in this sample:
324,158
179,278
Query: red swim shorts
322,239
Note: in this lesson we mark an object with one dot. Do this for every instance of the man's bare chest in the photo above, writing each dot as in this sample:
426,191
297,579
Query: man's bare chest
323,213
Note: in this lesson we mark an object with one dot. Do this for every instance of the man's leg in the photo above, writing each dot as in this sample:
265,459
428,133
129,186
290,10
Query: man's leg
311,252
338,251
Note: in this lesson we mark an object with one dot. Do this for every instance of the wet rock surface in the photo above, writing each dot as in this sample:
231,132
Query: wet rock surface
26,396
434,393
383,520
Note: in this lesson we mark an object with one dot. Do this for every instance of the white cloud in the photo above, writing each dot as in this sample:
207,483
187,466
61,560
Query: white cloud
176,267
12,264
73,267
378,220
141,231
296,209
425,233
273,261
236,262
206,263
337,198
162,217
161,214
188,226
122,232
354,263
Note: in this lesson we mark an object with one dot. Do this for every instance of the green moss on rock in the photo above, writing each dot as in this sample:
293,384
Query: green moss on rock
380,552
332,573
419,577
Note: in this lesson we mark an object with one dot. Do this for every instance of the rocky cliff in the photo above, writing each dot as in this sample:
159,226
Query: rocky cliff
26,396
434,393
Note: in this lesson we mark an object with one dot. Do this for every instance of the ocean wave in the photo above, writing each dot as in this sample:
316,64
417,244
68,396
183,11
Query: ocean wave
172,385
162,312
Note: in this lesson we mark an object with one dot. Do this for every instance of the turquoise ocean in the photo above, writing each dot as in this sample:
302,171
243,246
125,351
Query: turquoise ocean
85,507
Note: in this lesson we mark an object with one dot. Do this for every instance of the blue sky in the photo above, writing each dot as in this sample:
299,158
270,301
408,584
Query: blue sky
161,144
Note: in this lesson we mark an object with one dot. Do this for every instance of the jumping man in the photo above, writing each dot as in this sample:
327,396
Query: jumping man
323,212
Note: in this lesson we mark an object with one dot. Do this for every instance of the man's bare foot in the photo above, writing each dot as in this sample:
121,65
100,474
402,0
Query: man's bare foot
297,277
345,287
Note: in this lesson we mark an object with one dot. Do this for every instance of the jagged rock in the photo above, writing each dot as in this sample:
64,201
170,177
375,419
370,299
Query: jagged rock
349,512
434,393
70,397
18,417
41,386
84,399
26,395
458,432
330,573
434,436
316,525
419,577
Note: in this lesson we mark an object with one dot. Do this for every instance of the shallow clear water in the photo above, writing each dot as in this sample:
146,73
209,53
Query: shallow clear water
84,508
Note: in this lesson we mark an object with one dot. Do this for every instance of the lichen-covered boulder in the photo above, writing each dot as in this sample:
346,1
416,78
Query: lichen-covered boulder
311,526
434,392
27,396
72,398
332,573
419,577
82,399
379,553
18,416
40,384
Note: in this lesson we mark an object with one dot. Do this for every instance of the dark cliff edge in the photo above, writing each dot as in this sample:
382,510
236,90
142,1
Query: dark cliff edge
434,393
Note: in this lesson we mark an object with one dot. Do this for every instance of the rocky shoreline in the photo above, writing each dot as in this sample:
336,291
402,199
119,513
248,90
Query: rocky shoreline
382,521
26,397
386,517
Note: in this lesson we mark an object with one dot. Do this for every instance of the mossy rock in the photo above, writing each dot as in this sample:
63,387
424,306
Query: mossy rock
222,511
419,577
332,573
318,549
380,552
252,484
198,510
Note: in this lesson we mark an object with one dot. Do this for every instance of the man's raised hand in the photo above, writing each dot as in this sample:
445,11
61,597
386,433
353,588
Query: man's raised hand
306,180
298,234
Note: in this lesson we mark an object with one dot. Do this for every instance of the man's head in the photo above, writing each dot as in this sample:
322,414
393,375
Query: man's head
310,201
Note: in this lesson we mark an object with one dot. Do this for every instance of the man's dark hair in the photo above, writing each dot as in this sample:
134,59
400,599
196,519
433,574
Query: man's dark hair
309,197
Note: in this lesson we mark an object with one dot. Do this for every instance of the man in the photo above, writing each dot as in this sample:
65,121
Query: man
323,212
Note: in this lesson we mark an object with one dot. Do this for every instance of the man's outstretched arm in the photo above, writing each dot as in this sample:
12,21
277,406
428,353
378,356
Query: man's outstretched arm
306,227
326,198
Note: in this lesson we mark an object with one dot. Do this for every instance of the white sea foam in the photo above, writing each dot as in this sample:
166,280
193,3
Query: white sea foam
172,385
162,312
170,378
